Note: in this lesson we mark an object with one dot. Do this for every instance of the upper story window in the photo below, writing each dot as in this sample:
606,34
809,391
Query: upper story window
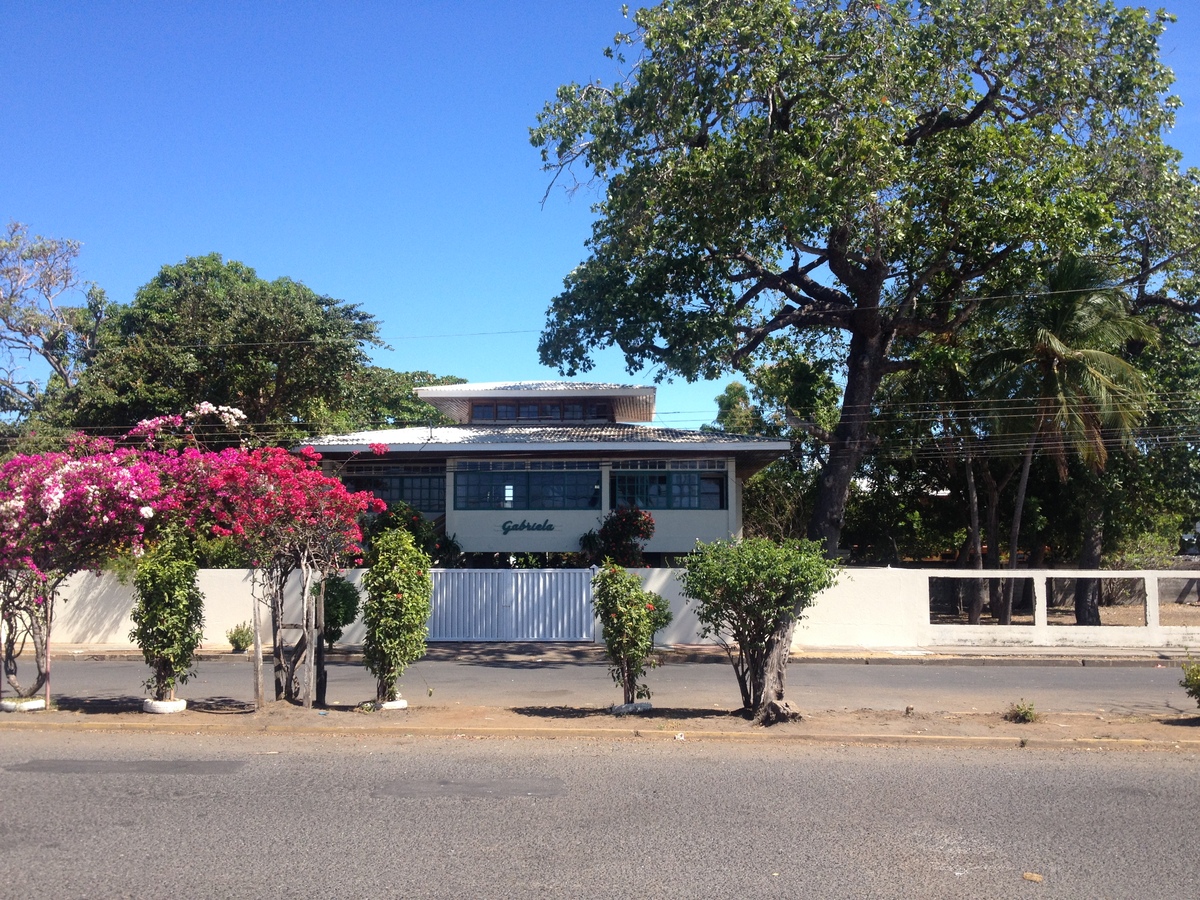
537,410
669,484
529,486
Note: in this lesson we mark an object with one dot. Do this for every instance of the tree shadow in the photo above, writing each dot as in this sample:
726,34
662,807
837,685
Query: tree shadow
1182,721
666,712
133,703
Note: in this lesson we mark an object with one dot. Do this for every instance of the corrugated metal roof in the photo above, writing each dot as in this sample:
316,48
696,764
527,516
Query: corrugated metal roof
521,436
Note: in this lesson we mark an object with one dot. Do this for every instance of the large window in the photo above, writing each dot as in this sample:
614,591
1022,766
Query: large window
529,486
670,484
421,487
535,410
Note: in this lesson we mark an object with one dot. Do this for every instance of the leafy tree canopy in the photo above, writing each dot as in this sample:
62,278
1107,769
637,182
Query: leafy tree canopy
774,168
212,330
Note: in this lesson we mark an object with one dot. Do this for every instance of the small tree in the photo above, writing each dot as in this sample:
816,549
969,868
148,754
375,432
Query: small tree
341,606
169,616
751,594
631,617
399,591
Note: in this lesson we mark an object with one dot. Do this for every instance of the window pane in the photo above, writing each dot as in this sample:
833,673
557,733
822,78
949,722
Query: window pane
712,492
528,411
489,490
564,490
572,410
551,411
482,412
506,410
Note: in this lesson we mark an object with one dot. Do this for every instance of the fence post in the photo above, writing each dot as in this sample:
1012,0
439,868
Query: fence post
1150,579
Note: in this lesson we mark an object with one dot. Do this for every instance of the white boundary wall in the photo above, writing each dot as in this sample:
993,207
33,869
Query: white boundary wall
868,608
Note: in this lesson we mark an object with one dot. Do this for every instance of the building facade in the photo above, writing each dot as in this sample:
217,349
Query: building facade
529,467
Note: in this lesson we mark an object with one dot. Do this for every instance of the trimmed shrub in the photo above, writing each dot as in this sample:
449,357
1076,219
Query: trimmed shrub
341,606
399,591
630,617
169,615
750,594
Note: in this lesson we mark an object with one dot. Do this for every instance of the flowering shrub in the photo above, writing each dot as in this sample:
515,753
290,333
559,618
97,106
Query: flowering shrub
399,590
631,617
62,513
621,537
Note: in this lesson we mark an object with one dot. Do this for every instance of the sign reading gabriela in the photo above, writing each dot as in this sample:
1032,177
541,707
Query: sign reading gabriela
526,525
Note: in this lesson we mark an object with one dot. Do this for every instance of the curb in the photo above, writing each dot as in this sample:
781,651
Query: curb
619,734
693,657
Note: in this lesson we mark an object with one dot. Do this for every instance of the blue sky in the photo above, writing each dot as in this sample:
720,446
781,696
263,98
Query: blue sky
378,152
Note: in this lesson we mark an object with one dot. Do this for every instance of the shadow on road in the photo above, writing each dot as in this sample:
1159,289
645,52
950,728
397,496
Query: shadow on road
133,703
583,712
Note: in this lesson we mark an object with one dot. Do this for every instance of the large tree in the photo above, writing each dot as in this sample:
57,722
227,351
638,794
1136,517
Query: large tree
210,330
774,167
48,316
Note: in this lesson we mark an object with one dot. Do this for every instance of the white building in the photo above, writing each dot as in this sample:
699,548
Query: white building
531,466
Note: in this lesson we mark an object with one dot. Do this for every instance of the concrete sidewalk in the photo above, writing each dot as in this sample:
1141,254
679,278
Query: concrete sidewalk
701,653
1086,698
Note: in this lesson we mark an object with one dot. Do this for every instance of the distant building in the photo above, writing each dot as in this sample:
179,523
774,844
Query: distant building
531,466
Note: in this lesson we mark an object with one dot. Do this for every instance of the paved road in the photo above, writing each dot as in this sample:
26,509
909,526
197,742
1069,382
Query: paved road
152,815
699,686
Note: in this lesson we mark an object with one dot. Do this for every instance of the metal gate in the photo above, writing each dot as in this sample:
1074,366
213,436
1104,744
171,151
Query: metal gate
512,605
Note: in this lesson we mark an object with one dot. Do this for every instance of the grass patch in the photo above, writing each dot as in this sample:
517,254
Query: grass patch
1022,712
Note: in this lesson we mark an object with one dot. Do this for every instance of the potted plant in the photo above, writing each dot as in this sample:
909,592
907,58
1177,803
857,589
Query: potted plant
399,591
168,618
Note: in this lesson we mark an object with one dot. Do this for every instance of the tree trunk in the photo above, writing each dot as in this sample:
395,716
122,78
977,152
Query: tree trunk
864,370
256,605
1014,533
1087,590
310,632
974,587
771,707
319,646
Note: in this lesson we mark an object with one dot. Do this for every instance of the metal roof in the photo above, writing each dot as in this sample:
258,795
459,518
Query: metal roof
454,440
630,402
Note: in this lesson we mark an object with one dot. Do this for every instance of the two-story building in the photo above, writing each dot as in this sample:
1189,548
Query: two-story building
531,466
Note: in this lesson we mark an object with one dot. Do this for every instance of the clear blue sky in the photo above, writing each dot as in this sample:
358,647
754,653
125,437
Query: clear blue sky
376,151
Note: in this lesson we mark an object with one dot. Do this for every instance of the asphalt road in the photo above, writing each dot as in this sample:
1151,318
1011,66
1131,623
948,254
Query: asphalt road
266,816
1136,690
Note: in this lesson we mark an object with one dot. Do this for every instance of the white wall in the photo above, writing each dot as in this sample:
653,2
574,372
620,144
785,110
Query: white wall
868,608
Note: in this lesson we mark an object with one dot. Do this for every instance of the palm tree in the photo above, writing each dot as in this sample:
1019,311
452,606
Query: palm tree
1060,358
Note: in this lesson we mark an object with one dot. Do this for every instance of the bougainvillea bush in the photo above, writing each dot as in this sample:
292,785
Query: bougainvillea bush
62,513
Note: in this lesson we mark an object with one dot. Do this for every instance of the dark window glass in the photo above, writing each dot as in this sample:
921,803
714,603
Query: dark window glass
539,489
564,490
490,490
426,493
668,490
598,411
506,410
528,411
572,410
551,411
712,492
482,412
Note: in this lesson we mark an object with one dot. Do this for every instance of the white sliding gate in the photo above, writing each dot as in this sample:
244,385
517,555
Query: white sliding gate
512,605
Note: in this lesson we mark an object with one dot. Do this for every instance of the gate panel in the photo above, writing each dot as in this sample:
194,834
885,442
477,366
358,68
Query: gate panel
512,605
554,605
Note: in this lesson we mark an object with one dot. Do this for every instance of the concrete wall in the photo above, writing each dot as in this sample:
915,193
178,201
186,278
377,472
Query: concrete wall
868,608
